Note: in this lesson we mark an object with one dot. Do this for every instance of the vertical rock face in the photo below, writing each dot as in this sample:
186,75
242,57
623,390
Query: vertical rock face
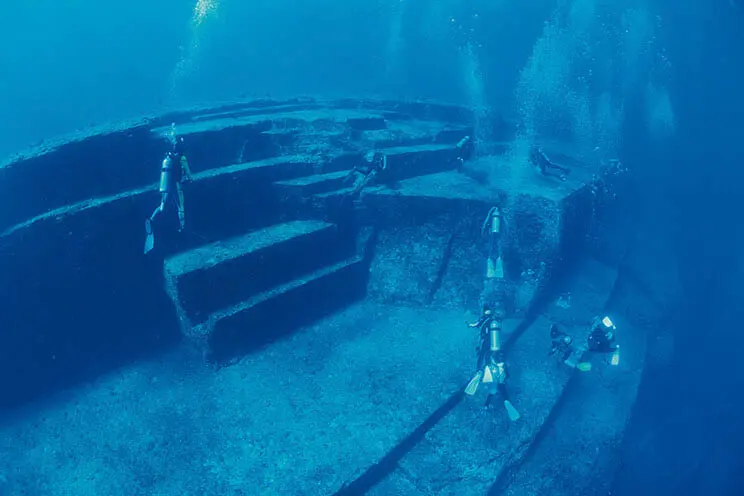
531,246
431,231
237,294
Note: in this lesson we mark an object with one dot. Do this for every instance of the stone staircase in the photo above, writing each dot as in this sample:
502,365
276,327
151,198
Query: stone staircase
296,263
240,293
88,234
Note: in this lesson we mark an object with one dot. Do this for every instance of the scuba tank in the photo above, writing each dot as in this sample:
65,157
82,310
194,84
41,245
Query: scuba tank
495,335
166,173
494,268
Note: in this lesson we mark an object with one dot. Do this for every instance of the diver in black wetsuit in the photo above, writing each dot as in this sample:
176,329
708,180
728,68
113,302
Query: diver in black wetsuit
562,343
362,175
602,337
465,151
539,159
491,366
174,172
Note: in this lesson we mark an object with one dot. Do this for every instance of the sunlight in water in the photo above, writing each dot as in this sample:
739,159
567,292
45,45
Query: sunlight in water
203,9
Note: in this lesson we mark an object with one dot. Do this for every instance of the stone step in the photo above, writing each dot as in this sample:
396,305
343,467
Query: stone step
215,137
225,140
287,116
214,276
268,316
276,108
311,185
220,203
226,202
410,132
469,448
404,161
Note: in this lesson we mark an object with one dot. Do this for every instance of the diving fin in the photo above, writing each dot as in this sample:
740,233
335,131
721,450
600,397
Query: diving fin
495,269
511,411
584,366
499,269
487,375
472,386
149,238
490,269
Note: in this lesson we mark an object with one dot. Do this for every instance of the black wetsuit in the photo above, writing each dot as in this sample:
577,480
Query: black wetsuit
542,162
601,341
561,343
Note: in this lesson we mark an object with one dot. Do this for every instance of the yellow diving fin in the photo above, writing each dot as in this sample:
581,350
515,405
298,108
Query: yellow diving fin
498,269
487,375
584,366
472,386
490,268
511,411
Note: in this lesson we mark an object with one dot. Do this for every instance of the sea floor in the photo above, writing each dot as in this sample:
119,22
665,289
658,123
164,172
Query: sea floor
301,417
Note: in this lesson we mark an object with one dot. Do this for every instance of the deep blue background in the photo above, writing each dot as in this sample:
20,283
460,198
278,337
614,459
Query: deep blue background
687,433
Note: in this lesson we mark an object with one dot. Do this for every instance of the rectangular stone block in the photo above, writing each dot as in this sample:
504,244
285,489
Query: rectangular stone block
274,313
311,185
218,275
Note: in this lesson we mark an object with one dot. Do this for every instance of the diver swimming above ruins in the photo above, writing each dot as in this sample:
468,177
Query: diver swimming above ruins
491,367
361,176
174,171
466,150
545,166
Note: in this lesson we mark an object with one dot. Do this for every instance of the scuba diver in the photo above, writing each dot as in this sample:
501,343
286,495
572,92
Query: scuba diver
562,345
174,171
495,286
361,176
465,151
601,340
491,366
492,230
539,159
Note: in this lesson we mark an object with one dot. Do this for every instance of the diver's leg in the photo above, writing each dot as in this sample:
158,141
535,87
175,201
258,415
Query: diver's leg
181,212
493,392
559,171
159,209
503,392
149,234
359,184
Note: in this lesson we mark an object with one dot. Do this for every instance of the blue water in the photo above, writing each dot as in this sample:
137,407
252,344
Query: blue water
656,82
68,65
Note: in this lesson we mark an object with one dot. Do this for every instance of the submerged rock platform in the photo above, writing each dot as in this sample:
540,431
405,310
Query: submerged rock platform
329,333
